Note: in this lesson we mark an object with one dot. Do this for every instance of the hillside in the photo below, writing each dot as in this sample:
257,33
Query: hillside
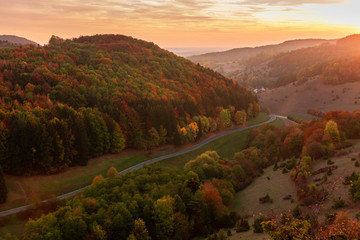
250,65
238,54
77,99
16,40
274,68
294,99
328,85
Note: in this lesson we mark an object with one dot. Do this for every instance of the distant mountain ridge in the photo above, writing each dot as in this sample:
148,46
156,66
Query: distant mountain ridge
17,40
237,54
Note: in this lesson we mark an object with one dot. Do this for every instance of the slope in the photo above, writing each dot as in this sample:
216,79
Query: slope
77,99
17,40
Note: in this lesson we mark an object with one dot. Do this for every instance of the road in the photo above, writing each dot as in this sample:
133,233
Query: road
158,159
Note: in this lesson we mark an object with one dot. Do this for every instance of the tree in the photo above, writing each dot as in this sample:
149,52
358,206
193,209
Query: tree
140,232
331,129
163,217
240,117
98,179
112,172
3,188
117,140
226,117
154,137
250,111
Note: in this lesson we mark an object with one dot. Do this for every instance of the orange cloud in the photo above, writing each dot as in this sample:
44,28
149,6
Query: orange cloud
173,23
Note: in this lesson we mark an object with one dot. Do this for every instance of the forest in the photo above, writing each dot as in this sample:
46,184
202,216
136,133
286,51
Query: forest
73,100
336,63
171,203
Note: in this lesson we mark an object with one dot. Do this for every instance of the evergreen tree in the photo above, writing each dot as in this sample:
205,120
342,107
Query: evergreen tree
3,189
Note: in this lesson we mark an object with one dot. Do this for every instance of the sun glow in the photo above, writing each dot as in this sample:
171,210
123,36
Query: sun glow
183,23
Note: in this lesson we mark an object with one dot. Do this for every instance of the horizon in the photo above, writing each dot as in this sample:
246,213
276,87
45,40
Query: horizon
184,23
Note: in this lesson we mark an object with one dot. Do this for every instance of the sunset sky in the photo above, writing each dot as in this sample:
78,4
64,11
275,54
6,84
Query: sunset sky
183,23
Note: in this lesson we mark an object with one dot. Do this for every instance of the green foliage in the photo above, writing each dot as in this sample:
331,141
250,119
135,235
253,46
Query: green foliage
257,225
355,189
338,203
296,212
226,117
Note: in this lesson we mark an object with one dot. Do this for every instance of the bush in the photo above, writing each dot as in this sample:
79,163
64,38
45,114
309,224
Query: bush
285,170
357,164
276,167
265,199
242,226
330,218
296,212
220,235
338,203
257,224
329,162
349,179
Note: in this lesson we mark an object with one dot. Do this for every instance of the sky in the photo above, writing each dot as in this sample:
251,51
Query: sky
183,23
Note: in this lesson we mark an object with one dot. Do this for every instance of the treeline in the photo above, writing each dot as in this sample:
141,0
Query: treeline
76,99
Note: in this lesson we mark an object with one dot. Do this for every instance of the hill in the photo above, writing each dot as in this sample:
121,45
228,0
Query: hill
238,54
274,66
77,99
250,65
16,40
323,79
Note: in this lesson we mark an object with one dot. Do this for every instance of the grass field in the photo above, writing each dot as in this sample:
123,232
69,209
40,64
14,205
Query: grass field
296,99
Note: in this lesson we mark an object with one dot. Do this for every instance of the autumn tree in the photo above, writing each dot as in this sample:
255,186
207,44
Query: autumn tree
240,117
140,232
112,172
331,129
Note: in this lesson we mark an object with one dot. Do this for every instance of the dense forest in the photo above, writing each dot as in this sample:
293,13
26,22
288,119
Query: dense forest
336,62
72,100
170,203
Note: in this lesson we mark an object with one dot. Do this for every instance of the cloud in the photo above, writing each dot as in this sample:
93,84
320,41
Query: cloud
290,2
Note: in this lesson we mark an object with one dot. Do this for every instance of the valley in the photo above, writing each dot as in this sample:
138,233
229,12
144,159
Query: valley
179,120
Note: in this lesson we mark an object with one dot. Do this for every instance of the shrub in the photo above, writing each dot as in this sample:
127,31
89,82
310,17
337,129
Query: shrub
265,199
338,203
242,226
329,162
357,164
296,212
284,171
276,167
257,224
349,179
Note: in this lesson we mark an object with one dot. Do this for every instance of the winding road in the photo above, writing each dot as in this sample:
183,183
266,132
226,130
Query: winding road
154,160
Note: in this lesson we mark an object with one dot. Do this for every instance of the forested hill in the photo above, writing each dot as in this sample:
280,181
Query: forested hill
76,99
